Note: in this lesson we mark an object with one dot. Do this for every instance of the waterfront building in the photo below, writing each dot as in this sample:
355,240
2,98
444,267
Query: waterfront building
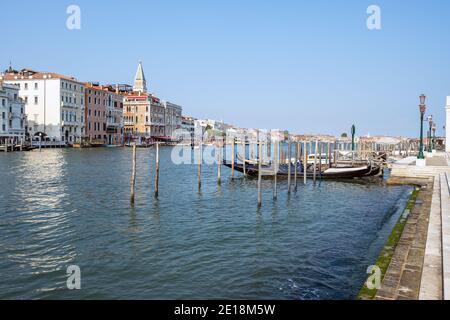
145,116
54,104
12,114
188,124
103,114
172,119
447,126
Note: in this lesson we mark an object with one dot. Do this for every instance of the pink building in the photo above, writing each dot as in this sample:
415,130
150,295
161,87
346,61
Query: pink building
104,115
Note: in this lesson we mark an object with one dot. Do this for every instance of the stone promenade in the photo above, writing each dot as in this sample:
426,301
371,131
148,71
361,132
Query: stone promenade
420,267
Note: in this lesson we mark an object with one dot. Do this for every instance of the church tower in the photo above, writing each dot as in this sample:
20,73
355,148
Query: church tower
140,84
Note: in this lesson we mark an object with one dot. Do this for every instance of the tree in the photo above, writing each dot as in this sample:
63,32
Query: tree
344,135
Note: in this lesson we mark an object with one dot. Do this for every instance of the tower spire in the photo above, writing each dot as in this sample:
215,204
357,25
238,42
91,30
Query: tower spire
140,84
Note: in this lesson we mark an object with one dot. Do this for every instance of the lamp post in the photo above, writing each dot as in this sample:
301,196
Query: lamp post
434,136
430,125
353,137
422,109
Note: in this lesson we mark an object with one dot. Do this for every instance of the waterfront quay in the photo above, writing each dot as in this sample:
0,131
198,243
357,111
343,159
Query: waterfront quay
420,265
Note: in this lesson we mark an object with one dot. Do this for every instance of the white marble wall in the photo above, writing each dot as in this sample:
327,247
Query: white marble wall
447,126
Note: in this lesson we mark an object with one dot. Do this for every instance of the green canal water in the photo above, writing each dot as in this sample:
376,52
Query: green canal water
71,207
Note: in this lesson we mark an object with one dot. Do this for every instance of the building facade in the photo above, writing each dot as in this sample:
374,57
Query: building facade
114,117
12,114
103,114
172,119
95,114
54,104
447,126
145,116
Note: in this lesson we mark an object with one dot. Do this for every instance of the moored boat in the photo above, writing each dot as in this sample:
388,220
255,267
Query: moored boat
338,172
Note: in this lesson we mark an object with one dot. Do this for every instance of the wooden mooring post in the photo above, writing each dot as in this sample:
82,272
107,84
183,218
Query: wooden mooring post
297,154
315,161
329,154
199,169
245,157
157,171
259,173
289,162
305,161
133,176
233,157
219,163
275,170
320,159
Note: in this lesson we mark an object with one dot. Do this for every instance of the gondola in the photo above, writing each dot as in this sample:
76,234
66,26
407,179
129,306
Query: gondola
338,172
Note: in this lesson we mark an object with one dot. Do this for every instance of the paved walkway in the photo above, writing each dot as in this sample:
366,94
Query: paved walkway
420,268
403,277
437,161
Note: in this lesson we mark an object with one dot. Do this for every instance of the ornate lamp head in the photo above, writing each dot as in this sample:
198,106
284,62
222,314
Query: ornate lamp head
422,104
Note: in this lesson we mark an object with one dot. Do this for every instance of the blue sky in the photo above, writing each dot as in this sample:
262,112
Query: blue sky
306,66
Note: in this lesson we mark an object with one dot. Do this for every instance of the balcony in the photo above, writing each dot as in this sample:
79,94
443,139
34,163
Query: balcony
69,123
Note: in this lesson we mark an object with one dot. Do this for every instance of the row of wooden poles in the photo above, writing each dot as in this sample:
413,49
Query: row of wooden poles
302,150
133,174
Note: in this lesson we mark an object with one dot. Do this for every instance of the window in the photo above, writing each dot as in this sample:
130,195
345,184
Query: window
3,102
36,100
36,86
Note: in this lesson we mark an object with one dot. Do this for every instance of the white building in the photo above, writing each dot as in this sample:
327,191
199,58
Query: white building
172,118
54,104
12,117
447,126
210,124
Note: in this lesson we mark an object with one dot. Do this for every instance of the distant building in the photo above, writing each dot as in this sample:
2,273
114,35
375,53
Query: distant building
146,116
12,116
210,124
188,123
172,119
188,127
54,104
104,114
447,126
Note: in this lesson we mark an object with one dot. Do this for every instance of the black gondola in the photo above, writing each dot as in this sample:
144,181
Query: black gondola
338,172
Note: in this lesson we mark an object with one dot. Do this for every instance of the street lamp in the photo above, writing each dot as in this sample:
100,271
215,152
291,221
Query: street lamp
434,135
430,124
353,137
422,109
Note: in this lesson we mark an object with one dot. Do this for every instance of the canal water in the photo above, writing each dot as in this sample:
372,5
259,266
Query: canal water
71,207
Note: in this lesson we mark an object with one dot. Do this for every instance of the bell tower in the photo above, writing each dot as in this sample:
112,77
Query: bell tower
140,84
